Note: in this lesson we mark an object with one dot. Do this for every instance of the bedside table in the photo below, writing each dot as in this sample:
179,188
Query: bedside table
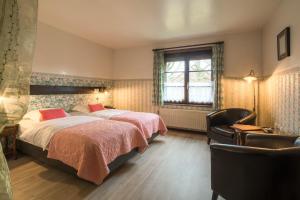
8,137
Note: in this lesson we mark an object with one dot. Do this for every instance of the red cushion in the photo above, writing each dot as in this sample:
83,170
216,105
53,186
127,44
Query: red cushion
52,114
96,107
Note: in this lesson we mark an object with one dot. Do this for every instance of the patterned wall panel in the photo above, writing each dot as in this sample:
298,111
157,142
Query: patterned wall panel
68,101
137,95
133,95
238,93
280,104
38,78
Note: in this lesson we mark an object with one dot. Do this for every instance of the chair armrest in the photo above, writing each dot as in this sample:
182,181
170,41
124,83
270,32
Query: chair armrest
249,120
216,118
271,141
237,149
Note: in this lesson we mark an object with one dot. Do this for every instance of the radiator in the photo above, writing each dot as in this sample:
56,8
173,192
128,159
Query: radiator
184,119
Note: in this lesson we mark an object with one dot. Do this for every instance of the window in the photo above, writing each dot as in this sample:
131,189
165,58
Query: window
188,78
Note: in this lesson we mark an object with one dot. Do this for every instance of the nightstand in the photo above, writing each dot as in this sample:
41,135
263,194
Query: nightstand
8,137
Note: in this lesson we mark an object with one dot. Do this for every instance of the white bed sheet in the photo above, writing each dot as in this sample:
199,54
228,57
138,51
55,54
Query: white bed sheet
40,133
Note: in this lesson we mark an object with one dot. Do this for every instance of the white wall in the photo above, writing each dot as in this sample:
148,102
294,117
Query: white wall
287,14
60,52
242,53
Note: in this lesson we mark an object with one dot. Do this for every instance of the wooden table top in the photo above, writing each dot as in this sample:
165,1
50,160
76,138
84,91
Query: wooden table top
243,128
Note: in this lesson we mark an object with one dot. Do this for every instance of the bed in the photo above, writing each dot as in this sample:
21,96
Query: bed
88,146
149,124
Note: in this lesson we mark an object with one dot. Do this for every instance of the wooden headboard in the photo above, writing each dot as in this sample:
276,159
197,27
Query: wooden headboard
48,90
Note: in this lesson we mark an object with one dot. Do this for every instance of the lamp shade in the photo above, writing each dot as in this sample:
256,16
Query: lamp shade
250,77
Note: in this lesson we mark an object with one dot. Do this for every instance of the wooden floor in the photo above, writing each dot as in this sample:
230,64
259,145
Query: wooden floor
175,167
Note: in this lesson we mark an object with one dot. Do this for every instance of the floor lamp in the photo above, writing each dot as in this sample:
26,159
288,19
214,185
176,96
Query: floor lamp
250,78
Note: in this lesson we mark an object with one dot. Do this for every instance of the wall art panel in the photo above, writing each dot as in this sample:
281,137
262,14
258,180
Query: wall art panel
279,102
68,101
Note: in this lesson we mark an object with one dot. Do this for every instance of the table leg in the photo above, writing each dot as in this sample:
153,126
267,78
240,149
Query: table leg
14,147
238,138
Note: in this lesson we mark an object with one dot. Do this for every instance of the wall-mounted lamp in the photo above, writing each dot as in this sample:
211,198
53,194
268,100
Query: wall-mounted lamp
97,91
250,78
100,90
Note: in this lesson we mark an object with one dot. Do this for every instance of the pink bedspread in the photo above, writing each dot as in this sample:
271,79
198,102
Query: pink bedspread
148,123
90,147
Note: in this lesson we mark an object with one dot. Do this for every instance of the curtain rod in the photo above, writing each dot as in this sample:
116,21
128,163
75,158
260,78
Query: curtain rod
187,46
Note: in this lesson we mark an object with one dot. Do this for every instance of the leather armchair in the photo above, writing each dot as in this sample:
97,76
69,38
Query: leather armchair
267,169
219,122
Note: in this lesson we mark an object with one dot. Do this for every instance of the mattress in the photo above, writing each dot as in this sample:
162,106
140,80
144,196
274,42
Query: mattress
40,133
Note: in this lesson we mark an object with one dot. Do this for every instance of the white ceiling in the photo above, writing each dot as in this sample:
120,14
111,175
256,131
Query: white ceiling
126,23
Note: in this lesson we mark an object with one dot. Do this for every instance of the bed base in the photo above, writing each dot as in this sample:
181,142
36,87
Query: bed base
154,135
38,154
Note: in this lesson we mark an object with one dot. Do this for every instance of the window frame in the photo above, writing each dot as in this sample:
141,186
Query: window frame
186,56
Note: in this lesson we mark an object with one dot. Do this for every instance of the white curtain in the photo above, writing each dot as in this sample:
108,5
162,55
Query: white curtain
18,21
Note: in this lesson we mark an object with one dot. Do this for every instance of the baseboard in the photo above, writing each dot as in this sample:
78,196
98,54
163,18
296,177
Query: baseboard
187,129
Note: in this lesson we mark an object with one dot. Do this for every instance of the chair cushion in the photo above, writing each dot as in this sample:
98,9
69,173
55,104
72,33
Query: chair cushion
223,130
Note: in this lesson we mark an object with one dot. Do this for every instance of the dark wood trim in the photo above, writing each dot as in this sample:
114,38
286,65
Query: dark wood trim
285,33
200,52
187,130
189,46
48,90
207,105
9,133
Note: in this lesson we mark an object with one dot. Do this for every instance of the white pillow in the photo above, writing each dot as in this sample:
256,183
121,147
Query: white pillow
35,115
81,108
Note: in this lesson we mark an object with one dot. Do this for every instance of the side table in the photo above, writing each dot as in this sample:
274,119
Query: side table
8,137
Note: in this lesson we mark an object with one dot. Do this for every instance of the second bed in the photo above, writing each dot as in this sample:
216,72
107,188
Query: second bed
148,123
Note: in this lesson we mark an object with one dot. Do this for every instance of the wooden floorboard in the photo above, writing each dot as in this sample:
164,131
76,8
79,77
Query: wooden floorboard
175,167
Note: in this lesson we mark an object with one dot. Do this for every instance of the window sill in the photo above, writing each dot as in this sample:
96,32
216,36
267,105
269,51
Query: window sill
189,105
